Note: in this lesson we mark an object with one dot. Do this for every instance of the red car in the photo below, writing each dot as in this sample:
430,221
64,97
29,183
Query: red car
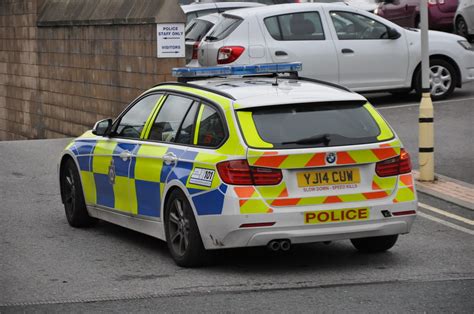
407,13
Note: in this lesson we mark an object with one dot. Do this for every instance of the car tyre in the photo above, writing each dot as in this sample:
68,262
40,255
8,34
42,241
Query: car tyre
443,75
73,197
461,27
375,244
182,233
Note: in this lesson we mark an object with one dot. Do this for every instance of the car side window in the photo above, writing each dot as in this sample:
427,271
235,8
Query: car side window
210,129
169,119
352,26
295,26
133,121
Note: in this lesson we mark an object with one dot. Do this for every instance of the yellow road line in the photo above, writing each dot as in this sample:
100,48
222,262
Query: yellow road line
446,223
447,214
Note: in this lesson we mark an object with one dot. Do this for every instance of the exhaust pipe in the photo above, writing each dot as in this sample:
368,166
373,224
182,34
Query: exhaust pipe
274,245
285,245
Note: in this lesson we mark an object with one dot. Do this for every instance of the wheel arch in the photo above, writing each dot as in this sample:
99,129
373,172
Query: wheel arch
457,82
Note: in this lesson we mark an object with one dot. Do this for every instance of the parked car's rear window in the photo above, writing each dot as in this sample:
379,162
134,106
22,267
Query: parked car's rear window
197,30
224,28
314,124
295,26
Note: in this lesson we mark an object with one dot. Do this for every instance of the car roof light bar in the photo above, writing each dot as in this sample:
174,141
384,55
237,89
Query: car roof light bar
267,68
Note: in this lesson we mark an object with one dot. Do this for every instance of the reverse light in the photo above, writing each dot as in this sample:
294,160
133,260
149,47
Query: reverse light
238,172
229,54
394,166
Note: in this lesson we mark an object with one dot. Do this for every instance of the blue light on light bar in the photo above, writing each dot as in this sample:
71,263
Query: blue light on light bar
267,68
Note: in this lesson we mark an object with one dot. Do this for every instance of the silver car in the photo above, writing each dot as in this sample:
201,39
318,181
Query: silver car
464,19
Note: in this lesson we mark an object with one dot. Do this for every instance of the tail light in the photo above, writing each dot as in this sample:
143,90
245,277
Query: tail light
228,54
238,172
394,166
195,50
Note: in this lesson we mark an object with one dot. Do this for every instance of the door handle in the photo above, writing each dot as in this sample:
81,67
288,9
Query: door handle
280,53
169,158
347,50
125,155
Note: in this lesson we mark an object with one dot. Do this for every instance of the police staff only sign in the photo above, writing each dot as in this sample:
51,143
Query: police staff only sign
170,40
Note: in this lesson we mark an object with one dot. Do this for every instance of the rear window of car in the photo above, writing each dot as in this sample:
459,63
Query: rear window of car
224,28
197,30
311,125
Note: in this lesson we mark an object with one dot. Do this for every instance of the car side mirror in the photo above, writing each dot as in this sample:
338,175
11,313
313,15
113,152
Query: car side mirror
393,33
102,127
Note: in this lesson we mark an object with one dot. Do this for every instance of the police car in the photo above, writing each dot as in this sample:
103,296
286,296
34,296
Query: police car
256,156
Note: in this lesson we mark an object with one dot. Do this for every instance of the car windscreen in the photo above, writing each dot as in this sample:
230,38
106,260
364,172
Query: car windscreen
313,124
224,28
197,30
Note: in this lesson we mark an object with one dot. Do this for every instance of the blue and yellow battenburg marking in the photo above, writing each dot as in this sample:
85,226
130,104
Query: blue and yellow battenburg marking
136,185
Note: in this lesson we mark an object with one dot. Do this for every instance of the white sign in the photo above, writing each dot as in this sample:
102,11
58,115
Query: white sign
170,40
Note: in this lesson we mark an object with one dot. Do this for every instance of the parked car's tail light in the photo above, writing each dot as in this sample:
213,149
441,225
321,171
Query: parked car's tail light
394,166
228,54
195,50
238,172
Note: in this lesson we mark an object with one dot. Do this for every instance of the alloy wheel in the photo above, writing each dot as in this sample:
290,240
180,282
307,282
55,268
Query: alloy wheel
440,80
178,228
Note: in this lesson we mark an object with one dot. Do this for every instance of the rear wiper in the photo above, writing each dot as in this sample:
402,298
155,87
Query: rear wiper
316,139
211,38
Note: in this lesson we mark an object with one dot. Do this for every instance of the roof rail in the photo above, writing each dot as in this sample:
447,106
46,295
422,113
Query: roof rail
207,89
324,83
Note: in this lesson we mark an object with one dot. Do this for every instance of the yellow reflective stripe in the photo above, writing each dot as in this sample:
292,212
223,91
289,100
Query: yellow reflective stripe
88,134
363,156
254,206
198,125
151,118
103,152
71,144
385,131
250,130
88,185
272,191
404,195
206,158
233,146
122,194
149,162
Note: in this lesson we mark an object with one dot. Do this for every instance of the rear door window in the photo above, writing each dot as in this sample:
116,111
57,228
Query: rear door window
224,28
295,26
197,30
314,125
169,119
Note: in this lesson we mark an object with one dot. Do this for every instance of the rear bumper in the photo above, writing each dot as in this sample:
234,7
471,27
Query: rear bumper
225,231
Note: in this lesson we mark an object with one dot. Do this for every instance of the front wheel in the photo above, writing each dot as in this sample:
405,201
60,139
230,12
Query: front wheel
461,27
443,79
182,233
375,244
73,197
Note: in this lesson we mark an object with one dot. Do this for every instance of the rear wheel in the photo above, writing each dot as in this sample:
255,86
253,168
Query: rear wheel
182,233
443,79
73,197
375,244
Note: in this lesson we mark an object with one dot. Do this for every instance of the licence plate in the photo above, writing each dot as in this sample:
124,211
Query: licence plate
328,177
336,215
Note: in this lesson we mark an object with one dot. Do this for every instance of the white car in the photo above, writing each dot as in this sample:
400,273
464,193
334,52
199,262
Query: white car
464,19
195,32
339,44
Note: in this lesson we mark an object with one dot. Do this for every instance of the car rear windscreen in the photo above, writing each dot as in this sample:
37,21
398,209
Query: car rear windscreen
314,124
224,28
197,30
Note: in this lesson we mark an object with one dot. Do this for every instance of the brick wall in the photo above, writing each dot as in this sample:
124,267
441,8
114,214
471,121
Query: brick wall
58,81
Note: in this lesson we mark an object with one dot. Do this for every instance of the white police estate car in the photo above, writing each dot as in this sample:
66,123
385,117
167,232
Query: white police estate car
251,158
